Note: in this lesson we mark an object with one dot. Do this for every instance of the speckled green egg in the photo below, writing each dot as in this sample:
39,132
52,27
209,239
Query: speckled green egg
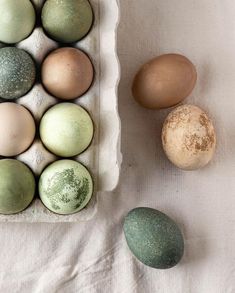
67,21
66,129
17,186
17,73
17,20
65,187
153,238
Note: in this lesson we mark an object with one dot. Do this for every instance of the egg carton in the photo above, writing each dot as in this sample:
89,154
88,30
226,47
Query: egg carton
103,157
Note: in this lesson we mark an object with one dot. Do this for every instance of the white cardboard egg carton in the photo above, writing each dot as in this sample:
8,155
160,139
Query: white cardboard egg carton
103,157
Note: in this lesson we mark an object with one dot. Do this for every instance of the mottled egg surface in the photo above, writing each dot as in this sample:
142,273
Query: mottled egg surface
65,187
153,238
189,137
17,73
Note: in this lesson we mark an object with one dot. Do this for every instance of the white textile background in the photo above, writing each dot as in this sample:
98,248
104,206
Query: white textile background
93,257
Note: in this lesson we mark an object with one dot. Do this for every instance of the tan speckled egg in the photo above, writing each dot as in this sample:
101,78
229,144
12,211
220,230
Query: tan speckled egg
164,81
67,73
189,137
17,129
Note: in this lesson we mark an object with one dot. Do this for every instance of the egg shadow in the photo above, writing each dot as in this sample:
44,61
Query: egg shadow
205,79
196,244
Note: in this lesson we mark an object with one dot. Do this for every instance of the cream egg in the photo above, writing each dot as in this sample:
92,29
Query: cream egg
189,138
17,129
164,81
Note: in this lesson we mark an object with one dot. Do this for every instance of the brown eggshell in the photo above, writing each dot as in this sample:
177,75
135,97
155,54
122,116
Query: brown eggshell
67,73
164,81
17,129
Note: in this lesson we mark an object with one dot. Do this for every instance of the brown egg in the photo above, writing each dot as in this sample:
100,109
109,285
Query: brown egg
164,81
17,129
67,73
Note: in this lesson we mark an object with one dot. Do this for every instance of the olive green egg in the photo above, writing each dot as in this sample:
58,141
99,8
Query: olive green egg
65,187
67,21
153,238
17,20
17,72
17,186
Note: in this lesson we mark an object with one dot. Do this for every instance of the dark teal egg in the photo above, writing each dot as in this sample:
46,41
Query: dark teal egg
17,73
153,238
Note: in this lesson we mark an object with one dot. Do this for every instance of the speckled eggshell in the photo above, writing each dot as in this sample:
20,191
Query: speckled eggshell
67,73
17,73
189,138
17,186
65,187
153,238
17,129
66,129
67,21
17,20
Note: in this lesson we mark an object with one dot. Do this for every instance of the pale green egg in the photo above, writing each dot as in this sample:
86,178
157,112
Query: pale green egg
17,20
65,187
66,129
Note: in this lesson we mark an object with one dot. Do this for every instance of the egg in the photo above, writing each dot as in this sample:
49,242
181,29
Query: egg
67,21
164,81
17,186
17,129
17,20
189,138
153,238
65,187
66,129
67,73
17,73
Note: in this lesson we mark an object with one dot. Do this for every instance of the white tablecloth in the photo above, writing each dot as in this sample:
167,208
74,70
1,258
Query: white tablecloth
93,257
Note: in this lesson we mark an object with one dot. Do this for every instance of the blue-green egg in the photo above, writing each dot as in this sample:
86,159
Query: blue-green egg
17,73
153,238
